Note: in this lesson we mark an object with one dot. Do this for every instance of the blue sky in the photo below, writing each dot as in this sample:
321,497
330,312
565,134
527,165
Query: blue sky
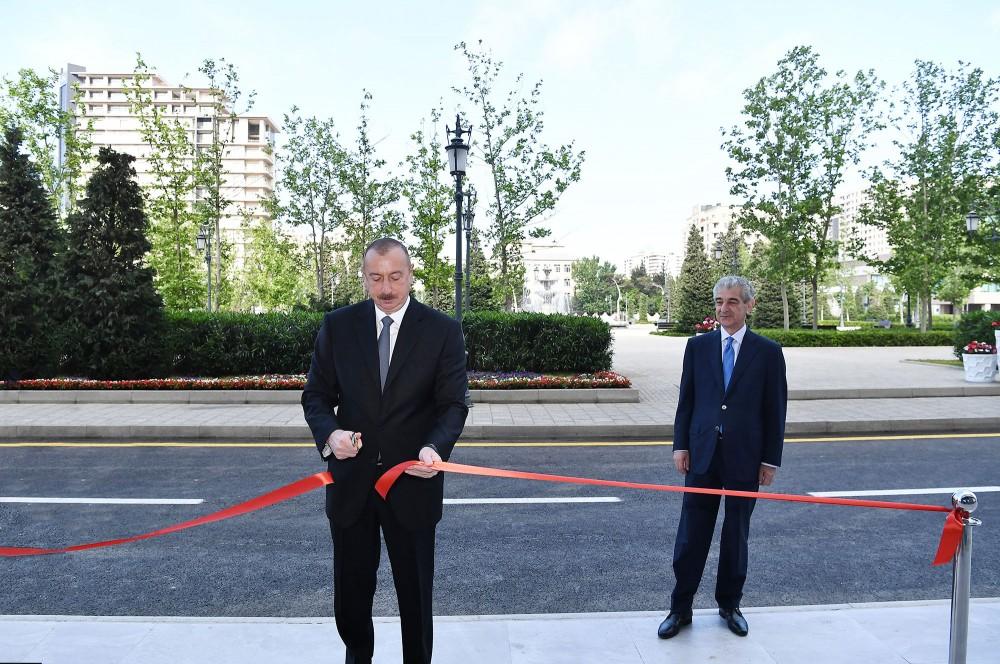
643,86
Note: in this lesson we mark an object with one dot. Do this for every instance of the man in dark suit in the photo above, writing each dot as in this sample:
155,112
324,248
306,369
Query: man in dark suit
728,434
387,384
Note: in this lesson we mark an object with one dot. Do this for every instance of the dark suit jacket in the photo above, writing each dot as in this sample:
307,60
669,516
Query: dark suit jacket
423,403
751,412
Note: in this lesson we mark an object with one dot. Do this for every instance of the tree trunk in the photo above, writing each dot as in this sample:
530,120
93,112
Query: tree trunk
784,302
815,302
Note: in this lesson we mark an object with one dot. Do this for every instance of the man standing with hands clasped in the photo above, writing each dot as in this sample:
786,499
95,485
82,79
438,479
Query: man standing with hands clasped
387,384
728,434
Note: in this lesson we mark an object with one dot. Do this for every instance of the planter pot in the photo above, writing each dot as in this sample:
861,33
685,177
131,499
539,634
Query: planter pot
979,367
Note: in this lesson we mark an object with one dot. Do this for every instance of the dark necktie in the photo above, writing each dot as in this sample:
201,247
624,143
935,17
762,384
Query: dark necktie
728,361
383,350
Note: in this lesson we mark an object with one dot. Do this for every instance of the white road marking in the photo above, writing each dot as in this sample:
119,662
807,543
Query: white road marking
101,501
901,492
526,501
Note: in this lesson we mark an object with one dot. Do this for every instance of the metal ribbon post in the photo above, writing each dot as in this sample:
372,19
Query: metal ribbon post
961,580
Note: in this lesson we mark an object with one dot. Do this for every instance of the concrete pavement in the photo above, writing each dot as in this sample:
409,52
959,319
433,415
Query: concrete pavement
883,633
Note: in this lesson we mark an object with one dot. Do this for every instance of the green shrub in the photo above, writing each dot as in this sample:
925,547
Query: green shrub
974,325
537,342
234,344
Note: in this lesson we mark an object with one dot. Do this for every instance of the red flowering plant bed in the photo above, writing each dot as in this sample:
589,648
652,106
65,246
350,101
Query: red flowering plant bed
979,348
283,382
478,380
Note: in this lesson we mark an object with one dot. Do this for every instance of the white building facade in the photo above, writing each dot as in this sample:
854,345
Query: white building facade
247,159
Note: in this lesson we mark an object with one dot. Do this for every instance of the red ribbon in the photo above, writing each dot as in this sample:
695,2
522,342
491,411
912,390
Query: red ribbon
947,547
950,537
297,488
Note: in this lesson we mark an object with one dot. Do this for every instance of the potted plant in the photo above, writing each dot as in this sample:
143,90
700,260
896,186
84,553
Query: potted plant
980,361
707,325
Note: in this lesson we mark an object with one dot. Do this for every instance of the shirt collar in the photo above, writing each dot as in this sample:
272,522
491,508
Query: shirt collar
737,338
397,317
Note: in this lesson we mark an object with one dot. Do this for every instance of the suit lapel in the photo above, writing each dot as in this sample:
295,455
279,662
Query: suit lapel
410,330
715,358
749,348
364,327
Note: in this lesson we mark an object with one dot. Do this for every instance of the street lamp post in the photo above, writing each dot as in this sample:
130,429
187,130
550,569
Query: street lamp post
205,244
468,219
458,154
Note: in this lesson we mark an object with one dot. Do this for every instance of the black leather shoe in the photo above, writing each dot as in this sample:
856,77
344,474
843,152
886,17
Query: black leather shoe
672,624
735,621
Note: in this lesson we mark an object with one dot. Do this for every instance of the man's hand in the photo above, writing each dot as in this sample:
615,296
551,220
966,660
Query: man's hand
682,460
345,444
427,458
766,475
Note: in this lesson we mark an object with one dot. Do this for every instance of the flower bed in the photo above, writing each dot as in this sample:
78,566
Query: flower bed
478,380
523,380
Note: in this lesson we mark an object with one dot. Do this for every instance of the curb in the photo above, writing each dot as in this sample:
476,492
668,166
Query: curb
602,432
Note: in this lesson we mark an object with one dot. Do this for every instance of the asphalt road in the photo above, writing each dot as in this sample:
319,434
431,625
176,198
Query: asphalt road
492,559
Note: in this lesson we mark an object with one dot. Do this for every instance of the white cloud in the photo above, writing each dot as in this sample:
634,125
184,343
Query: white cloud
995,19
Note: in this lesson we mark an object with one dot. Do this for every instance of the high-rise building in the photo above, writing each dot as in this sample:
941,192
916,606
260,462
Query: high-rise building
713,221
247,159
655,263
548,278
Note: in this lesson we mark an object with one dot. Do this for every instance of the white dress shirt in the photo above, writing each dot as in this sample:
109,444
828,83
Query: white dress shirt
737,342
397,318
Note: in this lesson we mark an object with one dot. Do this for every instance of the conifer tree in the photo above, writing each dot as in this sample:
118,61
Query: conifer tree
30,239
694,285
111,307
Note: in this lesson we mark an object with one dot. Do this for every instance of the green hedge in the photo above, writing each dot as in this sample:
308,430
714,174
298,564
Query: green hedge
865,337
537,342
977,326
230,344
236,344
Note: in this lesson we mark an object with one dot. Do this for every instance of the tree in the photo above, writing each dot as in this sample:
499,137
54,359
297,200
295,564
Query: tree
769,311
430,201
310,190
224,81
948,121
30,242
31,103
113,313
734,253
483,295
273,276
954,288
594,286
173,223
845,117
528,176
372,211
694,284
775,152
